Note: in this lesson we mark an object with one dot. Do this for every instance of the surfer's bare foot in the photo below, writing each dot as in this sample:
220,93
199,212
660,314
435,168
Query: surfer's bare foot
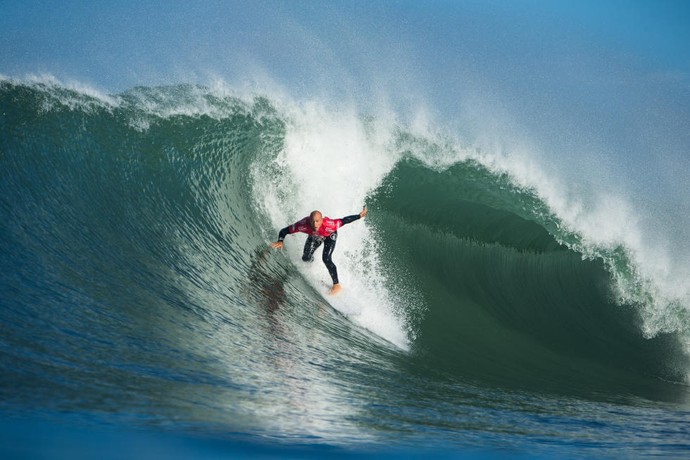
335,289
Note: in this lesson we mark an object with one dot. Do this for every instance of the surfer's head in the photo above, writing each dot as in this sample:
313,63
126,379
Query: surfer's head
315,219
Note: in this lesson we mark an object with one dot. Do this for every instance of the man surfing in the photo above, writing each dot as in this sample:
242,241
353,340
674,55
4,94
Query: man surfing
320,230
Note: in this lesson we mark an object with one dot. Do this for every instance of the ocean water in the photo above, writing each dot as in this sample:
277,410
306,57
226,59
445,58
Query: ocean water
484,312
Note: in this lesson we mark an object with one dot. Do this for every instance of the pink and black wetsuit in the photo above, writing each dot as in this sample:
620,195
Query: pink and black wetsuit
327,234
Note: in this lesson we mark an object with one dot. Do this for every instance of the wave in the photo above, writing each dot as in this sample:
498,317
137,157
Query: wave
164,199
508,300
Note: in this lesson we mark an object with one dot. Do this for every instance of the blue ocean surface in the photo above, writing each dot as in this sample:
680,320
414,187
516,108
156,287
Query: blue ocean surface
518,287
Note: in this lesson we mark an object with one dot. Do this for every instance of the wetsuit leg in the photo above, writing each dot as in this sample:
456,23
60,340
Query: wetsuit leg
328,248
310,246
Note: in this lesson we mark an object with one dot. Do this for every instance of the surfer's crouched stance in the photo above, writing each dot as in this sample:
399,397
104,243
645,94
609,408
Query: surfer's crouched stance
320,230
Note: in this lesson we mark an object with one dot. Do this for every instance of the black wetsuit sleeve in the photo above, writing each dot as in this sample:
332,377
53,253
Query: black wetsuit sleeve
348,219
283,233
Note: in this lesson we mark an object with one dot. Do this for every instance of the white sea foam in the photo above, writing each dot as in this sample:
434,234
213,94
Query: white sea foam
51,81
330,161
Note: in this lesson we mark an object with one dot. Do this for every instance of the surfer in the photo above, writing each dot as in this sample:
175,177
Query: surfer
320,230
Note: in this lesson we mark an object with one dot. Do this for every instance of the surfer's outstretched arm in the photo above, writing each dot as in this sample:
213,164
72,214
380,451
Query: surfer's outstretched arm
281,236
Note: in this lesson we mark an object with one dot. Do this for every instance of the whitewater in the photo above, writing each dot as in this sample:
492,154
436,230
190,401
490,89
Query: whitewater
487,298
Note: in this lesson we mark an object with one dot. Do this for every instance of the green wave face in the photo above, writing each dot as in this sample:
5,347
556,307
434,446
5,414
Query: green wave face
505,301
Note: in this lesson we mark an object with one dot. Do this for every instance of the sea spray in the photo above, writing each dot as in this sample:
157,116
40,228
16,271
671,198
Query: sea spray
330,161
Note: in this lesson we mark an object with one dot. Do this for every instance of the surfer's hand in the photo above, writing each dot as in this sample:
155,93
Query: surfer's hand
277,245
363,213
